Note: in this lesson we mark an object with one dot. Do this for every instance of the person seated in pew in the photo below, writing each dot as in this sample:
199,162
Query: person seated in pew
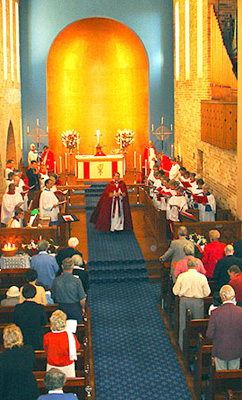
31,276
80,272
181,266
17,220
191,287
31,317
213,252
12,297
236,282
68,292
17,381
225,330
61,345
54,381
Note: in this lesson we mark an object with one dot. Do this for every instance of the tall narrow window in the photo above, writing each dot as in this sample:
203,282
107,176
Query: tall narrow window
199,38
187,39
177,40
11,37
5,64
17,41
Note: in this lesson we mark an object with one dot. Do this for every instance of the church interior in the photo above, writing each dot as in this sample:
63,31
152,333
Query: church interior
165,71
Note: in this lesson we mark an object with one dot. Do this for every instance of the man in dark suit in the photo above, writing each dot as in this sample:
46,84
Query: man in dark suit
225,330
220,273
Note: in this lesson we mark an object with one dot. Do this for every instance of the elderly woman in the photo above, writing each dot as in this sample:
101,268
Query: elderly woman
17,381
54,381
213,252
60,345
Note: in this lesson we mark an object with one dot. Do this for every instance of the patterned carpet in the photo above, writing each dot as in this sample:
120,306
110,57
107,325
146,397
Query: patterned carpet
133,356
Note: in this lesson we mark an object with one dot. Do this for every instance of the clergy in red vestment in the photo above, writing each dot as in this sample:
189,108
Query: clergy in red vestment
99,151
112,212
47,159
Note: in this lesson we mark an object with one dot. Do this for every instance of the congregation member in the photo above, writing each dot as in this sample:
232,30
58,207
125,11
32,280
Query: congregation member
225,330
9,168
47,159
45,264
31,276
207,209
32,179
112,212
68,292
61,345
54,381
79,270
68,251
213,252
17,220
176,249
220,273
10,201
32,155
17,361
191,287
235,282
12,298
49,204
181,266
238,248
30,317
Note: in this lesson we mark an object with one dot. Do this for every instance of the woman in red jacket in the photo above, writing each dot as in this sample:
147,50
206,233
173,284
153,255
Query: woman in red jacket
61,345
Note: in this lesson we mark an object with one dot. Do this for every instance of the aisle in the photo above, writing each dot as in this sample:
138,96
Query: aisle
133,356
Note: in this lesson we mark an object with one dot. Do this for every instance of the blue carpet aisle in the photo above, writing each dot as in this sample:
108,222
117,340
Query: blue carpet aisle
133,356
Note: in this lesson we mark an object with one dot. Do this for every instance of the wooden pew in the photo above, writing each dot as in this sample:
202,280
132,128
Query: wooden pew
76,385
12,276
202,364
41,360
221,381
190,336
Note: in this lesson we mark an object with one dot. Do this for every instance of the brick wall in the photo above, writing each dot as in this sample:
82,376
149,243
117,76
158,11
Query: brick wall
219,166
10,106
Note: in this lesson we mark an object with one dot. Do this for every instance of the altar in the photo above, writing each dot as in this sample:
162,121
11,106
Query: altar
100,168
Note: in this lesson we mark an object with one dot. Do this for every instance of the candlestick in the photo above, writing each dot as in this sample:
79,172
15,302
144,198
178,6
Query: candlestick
172,150
60,164
98,135
171,127
162,120
37,122
152,127
66,161
55,167
135,159
27,129
140,163
145,167
76,168
47,129
78,145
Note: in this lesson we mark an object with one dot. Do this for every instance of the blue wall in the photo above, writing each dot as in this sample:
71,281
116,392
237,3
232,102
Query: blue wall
40,23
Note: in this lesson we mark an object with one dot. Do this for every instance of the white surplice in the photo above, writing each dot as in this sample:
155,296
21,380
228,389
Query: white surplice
9,202
47,200
174,205
117,212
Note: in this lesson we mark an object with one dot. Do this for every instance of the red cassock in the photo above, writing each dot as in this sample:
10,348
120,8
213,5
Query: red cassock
101,215
47,159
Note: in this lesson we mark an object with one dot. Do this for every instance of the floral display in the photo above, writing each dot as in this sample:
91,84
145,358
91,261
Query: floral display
199,240
124,138
32,247
70,139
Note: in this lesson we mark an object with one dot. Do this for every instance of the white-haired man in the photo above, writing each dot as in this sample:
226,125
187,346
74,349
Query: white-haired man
225,330
220,273
68,251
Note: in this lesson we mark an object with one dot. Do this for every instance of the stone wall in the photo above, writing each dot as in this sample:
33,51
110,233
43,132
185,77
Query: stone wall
218,167
10,106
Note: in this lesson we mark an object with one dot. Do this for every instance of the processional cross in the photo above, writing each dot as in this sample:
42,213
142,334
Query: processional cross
37,135
162,133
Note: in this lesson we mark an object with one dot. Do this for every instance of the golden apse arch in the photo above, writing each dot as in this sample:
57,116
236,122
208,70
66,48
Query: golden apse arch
98,78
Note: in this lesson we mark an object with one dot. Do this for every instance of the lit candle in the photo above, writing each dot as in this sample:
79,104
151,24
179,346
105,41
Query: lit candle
152,127
145,167
120,143
66,161
162,120
60,164
27,129
134,159
37,122
55,167
78,144
98,135
75,167
140,163
171,128
172,150
47,129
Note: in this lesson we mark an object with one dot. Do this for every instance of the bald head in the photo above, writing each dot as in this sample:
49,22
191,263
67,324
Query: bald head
226,293
229,250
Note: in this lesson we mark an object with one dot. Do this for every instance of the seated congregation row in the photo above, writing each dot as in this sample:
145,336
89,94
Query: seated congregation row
21,189
191,277
178,190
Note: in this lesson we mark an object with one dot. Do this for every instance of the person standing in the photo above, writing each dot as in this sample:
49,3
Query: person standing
45,265
32,155
32,175
220,273
10,201
112,212
213,252
49,204
47,159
